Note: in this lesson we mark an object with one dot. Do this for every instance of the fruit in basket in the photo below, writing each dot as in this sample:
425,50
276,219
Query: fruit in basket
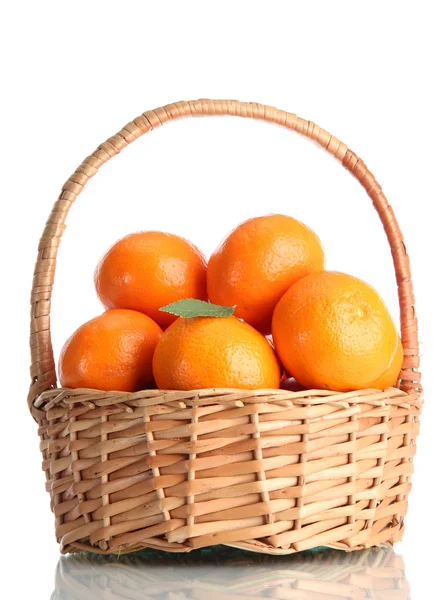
111,352
258,262
292,385
333,331
146,270
207,352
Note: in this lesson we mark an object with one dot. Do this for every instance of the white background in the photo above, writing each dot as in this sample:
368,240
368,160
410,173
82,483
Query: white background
73,73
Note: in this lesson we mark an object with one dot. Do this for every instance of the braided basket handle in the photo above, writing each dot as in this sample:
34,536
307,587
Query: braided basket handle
43,367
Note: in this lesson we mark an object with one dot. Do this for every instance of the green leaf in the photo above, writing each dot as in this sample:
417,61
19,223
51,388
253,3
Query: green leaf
190,307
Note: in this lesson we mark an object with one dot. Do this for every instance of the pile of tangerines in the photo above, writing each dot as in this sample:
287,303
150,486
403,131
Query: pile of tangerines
263,310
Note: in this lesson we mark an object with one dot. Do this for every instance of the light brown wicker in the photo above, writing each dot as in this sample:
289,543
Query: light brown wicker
268,470
227,574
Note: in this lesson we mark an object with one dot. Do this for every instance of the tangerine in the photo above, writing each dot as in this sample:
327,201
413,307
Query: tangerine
207,352
258,262
150,269
333,331
112,352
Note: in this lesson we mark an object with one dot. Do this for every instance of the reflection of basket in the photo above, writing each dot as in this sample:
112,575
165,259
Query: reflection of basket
270,470
227,574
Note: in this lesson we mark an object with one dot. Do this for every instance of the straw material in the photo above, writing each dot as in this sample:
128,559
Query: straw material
267,470
227,574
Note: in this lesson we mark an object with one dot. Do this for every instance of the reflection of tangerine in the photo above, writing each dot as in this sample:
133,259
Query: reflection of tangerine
258,262
206,352
333,331
111,352
147,270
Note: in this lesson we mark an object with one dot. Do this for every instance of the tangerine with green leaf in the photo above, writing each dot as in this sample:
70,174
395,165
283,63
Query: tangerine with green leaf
200,352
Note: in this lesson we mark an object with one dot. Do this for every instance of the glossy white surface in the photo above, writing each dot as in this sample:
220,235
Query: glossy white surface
227,574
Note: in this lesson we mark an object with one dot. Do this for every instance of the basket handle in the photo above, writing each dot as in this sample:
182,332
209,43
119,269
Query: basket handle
42,360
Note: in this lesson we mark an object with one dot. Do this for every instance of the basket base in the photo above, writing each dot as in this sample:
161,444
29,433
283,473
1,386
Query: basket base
254,546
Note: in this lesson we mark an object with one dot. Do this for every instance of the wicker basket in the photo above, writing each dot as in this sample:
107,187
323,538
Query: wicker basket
267,470
226,574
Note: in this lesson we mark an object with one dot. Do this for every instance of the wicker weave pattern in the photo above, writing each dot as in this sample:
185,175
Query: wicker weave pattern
270,470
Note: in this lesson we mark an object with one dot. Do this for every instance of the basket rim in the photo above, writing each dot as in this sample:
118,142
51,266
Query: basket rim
236,397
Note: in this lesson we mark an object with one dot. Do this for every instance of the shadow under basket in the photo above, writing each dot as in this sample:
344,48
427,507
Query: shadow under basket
269,471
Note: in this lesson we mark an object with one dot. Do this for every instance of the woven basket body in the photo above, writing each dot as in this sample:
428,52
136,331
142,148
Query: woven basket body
267,470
